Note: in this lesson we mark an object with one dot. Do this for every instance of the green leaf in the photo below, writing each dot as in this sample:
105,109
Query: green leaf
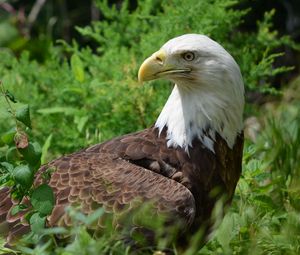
8,137
54,231
227,230
264,201
74,90
23,115
37,222
93,217
77,68
42,199
58,109
81,121
45,149
32,153
18,208
23,175
12,155
7,166
10,96
46,175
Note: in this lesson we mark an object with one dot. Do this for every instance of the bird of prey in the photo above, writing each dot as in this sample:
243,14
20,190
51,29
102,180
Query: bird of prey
188,160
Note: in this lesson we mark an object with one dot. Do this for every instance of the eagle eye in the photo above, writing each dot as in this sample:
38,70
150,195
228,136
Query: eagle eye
188,56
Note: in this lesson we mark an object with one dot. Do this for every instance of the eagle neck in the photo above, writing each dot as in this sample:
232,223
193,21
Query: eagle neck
191,113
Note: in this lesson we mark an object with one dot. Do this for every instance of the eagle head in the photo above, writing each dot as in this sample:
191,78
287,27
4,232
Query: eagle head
208,96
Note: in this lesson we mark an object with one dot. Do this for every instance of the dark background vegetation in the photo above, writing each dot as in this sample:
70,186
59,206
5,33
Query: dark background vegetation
43,21
75,64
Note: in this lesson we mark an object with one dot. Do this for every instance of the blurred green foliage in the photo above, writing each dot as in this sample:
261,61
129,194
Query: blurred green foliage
82,95
264,218
94,96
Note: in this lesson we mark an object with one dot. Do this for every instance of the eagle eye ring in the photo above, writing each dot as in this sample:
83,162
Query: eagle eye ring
188,56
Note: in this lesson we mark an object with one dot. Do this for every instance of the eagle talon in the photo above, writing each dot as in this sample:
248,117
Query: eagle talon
177,176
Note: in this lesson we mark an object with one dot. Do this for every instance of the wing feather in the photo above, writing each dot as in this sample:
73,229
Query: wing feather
123,173
96,180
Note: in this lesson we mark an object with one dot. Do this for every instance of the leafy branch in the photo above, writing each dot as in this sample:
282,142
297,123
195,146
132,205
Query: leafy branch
19,165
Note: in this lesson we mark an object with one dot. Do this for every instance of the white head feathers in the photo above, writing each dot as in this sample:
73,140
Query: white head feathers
206,100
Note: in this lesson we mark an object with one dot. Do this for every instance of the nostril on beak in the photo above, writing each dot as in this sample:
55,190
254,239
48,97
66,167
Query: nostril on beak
159,60
159,57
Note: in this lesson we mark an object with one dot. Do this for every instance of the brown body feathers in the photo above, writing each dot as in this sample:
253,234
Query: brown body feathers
139,165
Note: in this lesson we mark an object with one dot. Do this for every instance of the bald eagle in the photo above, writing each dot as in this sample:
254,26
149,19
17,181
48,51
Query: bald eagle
185,162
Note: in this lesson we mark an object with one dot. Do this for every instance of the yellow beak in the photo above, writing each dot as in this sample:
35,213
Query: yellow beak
158,66
152,66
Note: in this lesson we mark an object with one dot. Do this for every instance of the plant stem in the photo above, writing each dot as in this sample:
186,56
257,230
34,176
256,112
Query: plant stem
11,109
